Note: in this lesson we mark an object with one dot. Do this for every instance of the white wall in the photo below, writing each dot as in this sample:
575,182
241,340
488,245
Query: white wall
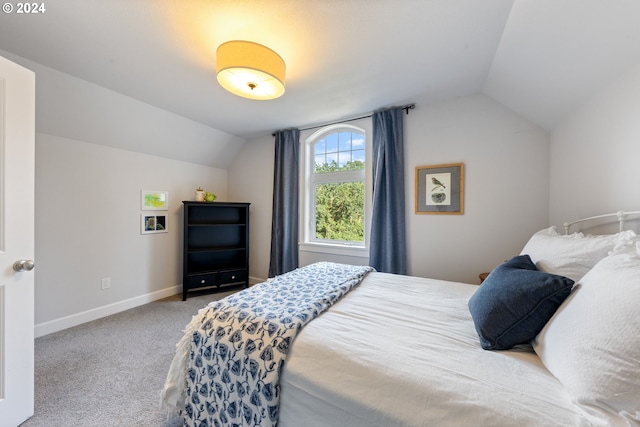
506,186
88,227
76,109
595,166
88,196
251,180
507,168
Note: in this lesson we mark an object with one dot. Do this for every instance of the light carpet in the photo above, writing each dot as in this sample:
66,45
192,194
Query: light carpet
109,372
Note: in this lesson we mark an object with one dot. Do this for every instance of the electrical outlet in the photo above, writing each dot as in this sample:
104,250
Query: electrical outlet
105,283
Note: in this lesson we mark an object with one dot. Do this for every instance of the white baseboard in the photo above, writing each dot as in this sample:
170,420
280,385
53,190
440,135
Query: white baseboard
46,328
255,280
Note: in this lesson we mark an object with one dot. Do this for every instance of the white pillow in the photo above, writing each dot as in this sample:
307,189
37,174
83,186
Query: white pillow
592,342
572,255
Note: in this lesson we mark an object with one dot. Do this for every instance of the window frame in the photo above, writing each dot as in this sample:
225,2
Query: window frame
307,225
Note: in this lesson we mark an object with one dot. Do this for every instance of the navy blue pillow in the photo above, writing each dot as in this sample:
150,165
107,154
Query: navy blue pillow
515,302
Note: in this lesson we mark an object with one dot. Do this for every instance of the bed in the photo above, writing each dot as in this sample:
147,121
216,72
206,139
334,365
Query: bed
551,338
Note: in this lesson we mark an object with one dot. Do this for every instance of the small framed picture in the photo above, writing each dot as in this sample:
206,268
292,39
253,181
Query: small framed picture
440,189
152,200
151,224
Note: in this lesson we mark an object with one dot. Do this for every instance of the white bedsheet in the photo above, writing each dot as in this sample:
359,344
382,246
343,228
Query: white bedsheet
403,351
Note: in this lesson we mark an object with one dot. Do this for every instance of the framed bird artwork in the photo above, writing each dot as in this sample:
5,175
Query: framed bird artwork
440,189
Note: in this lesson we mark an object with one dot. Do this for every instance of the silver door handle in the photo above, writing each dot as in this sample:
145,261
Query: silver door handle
23,265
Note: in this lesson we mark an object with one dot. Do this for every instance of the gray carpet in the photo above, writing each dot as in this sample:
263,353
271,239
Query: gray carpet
109,372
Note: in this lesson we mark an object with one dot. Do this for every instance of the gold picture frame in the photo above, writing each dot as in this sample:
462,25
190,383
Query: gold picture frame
440,189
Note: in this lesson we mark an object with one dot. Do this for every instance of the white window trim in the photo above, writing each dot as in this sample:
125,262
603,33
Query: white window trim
308,242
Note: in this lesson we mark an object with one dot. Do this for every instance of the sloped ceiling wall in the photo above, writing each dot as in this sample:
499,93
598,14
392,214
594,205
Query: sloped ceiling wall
540,58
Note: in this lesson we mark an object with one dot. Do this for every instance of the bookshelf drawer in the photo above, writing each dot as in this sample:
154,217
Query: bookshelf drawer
235,276
202,280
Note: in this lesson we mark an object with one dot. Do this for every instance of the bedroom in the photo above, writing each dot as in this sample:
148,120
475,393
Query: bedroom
96,149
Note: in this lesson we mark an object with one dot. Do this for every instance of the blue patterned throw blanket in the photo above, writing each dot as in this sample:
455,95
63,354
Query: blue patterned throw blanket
234,350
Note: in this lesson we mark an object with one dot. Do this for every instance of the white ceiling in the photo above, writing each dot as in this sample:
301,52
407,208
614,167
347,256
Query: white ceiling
541,58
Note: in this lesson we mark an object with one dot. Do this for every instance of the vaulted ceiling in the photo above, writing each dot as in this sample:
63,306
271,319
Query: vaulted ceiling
541,58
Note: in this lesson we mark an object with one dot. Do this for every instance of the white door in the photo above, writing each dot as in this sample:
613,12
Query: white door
17,155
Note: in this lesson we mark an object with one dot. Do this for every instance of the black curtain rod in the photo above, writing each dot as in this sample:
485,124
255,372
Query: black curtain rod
406,109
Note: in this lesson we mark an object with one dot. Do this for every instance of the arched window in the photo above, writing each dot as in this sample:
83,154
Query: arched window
335,186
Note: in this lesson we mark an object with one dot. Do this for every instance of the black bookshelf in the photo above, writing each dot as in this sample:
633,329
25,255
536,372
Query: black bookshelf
216,246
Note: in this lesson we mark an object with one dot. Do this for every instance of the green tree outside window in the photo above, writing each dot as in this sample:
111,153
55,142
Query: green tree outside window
340,205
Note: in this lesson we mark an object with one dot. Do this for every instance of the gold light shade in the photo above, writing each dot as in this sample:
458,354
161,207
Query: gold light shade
250,70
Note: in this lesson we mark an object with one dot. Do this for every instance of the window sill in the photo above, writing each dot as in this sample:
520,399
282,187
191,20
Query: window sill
335,249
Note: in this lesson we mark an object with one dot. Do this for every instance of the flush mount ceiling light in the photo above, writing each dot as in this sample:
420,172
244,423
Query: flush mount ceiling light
250,70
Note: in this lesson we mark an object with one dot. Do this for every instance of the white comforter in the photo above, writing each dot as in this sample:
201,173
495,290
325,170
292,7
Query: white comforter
403,351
